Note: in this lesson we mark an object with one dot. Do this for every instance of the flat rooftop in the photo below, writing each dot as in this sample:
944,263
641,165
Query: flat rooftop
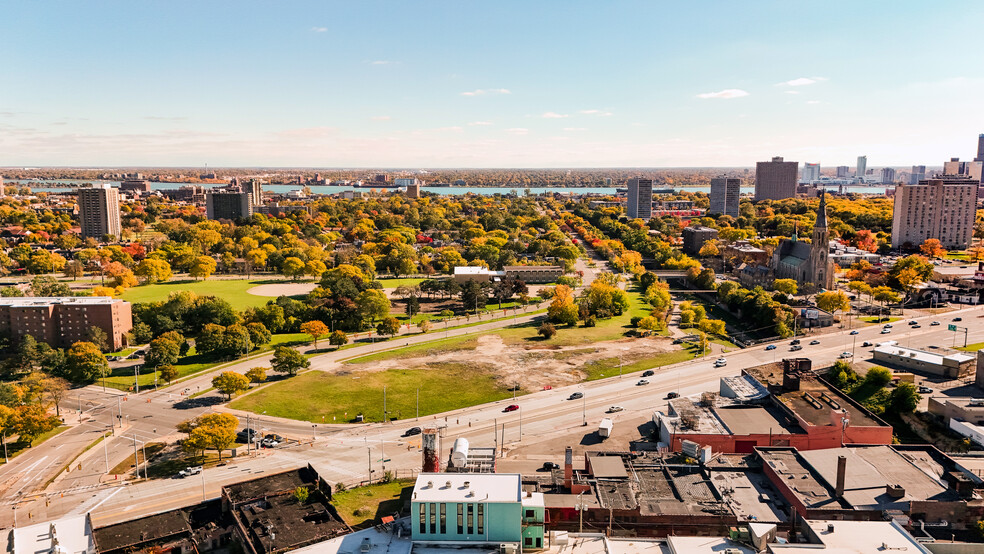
750,496
800,478
137,531
750,420
269,485
922,355
827,401
465,487
611,467
858,537
47,300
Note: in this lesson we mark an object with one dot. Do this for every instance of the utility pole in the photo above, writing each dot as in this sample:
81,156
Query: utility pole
136,379
203,485
136,459
584,413
384,403
119,408
106,452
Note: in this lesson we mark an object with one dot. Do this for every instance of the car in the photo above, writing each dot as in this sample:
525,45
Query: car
642,382
720,362
244,435
548,466
917,326
269,443
795,348
846,355
672,395
412,431
886,331
794,342
925,389
934,324
887,326
814,342
189,471
614,409
958,319
576,396
770,347
855,332
866,344
511,408
913,322
648,373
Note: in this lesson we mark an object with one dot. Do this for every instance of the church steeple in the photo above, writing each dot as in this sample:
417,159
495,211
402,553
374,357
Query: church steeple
822,211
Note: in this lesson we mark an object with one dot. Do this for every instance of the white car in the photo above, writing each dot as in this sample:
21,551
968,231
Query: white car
642,382
846,355
720,362
614,409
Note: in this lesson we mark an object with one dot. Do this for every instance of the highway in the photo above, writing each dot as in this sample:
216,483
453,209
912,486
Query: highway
547,421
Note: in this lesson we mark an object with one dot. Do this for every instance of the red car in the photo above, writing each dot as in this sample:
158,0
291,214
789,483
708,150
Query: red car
511,408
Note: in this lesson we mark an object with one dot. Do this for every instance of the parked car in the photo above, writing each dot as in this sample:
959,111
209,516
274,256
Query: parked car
648,373
770,347
511,408
846,355
814,342
412,431
133,356
548,466
575,396
672,395
795,348
855,332
614,409
924,389
642,382
189,471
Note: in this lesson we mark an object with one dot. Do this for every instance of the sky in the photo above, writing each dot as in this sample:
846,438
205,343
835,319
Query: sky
513,84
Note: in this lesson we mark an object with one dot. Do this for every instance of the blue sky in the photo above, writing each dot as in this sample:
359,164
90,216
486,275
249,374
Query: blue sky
488,84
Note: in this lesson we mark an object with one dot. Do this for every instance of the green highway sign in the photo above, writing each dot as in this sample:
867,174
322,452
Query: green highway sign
951,327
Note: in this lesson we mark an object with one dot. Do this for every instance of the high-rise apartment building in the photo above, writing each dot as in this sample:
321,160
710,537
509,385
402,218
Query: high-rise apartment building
725,192
843,171
232,205
811,173
942,209
639,203
917,174
775,180
99,211
2,191
862,168
256,190
980,148
957,167
887,175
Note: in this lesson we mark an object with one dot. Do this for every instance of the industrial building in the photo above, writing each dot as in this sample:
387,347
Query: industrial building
62,321
944,363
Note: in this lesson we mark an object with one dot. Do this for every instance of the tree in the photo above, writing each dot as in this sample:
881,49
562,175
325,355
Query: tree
546,330
562,309
84,363
209,341
33,420
650,323
338,338
258,334
474,295
709,250
8,423
878,377
167,372
98,337
289,361
712,326
785,286
230,383
932,248
164,350
315,268
301,494
54,388
215,431
388,326
833,301
153,270
315,329
372,304
74,269
292,267
903,399
413,306
424,326
46,285
202,267
255,258
256,374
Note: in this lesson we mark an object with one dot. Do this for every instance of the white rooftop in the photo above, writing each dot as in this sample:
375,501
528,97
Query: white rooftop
922,355
69,535
467,487
471,270
706,545
46,300
856,537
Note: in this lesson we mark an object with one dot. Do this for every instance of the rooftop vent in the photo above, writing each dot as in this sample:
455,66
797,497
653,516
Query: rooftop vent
447,484
430,484
467,483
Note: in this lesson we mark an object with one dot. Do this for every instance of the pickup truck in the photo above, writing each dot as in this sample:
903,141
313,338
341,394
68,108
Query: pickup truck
189,471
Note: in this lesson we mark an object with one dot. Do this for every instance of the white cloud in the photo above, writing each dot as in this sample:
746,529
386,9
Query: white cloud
725,94
381,118
601,113
380,62
483,91
554,115
518,131
571,129
812,101
453,128
801,81
791,91
320,29
473,123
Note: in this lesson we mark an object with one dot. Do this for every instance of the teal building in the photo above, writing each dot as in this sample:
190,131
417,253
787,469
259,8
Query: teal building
475,508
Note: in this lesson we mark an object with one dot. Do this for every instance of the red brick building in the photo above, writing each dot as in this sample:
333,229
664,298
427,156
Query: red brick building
61,321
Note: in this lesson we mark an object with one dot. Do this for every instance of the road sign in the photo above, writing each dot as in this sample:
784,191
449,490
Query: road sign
951,327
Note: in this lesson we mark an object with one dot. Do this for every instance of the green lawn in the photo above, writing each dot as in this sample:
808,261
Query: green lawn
364,507
972,347
232,290
874,319
608,367
393,283
321,397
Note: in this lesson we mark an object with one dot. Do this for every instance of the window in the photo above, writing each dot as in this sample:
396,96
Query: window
444,519
461,520
471,519
481,519
527,541
423,518
529,514
433,518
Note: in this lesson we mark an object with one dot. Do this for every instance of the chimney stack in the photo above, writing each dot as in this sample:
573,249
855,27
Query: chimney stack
841,475
568,467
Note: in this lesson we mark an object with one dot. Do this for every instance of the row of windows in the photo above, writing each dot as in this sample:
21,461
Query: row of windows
431,512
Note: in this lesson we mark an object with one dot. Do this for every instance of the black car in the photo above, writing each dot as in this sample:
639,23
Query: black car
575,396
794,342
245,435
547,466
648,373
958,319
412,431
672,395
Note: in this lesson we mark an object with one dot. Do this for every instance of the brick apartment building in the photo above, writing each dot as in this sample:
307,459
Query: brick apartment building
61,321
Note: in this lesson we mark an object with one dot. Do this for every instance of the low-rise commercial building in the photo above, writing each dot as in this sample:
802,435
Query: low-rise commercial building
943,363
970,410
61,321
536,274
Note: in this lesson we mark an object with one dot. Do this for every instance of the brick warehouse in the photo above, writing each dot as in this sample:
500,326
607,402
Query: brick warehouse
61,321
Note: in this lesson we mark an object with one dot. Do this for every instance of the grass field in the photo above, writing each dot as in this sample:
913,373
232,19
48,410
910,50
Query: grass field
232,290
608,367
393,283
363,507
972,347
874,319
320,397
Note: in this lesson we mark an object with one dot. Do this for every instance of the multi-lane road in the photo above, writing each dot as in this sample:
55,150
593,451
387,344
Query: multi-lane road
546,422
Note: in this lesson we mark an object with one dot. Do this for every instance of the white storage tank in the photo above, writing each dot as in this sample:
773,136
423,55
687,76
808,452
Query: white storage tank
459,452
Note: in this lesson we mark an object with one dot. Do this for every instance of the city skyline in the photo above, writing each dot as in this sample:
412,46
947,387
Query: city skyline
445,85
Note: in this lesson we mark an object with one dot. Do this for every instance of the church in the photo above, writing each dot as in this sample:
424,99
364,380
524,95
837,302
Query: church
807,263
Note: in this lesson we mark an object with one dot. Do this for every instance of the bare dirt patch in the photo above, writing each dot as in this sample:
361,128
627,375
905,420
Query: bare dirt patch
282,289
531,366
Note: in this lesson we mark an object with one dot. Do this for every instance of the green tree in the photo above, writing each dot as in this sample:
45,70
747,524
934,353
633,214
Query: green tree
372,304
289,361
338,338
209,341
230,383
388,326
546,330
258,334
903,399
98,337
33,420
153,270
293,268
785,286
301,494
84,363
878,377
167,372
712,327
256,374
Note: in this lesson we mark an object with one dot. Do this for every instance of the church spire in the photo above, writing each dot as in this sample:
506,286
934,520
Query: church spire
822,211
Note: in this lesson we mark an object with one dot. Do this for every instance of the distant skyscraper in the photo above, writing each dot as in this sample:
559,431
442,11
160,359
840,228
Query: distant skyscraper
887,175
228,204
862,167
2,191
918,174
775,180
256,190
811,172
99,211
942,209
980,148
725,192
957,167
639,203
843,171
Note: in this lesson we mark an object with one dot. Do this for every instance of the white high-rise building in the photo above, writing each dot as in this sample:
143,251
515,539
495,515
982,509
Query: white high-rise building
862,168
811,172
639,203
99,211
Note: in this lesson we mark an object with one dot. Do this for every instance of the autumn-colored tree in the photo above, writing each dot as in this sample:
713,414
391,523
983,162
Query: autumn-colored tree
338,338
833,301
167,372
153,270
202,267
230,383
786,286
388,326
709,250
315,329
712,327
563,309
256,374
932,248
